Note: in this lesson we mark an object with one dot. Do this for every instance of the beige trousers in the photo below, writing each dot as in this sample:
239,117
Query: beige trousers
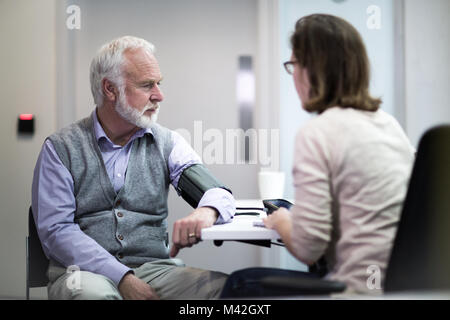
170,278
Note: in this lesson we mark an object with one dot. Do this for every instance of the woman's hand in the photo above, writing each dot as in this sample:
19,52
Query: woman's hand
278,219
281,222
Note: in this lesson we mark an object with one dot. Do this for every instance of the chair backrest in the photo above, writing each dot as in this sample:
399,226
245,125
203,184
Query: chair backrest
420,258
37,262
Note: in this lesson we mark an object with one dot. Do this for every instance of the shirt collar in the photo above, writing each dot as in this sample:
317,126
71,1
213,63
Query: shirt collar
100,133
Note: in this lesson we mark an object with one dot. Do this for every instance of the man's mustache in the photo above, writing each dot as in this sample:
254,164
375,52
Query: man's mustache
152,107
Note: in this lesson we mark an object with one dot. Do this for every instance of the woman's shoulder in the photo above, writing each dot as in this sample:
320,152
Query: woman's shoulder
326,121
339,118
346,125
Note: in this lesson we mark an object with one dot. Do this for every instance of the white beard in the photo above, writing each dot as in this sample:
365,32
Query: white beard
138,118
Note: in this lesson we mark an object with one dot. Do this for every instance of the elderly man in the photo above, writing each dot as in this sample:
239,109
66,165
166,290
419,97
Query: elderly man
100,188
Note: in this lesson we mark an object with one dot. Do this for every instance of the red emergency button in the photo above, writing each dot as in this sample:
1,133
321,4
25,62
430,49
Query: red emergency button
25,123
26,116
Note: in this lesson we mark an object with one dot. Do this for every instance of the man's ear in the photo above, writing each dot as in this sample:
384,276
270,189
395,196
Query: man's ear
109,90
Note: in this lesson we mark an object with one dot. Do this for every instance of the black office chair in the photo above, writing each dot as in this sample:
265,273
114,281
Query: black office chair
37,262
420,258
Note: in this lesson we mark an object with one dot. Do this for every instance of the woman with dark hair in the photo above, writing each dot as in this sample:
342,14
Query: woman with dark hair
351,167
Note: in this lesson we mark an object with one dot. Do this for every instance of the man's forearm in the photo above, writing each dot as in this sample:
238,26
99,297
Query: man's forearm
72,246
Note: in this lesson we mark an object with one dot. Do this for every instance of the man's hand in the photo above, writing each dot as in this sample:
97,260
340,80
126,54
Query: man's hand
187,231
133,288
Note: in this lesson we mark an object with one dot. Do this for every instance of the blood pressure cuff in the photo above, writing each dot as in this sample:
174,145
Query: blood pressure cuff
195,181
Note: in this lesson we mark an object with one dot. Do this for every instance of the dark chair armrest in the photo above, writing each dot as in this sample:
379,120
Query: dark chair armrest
303,286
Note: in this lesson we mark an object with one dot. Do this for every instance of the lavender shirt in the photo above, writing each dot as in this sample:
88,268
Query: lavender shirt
53,201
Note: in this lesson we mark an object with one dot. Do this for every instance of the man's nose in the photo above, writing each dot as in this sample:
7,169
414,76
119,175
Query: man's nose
157,95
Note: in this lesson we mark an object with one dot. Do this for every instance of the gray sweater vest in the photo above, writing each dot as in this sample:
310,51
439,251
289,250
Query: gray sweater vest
131,225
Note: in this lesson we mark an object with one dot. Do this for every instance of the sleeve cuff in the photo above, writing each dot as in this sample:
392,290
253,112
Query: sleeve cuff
116,272
222,200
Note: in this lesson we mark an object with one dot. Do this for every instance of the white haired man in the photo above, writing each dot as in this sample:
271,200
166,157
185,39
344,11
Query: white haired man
100,186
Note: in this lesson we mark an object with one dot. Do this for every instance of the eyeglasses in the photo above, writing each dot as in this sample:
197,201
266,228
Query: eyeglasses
289,66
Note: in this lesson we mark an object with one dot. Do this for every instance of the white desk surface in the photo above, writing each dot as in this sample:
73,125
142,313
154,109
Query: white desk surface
241,227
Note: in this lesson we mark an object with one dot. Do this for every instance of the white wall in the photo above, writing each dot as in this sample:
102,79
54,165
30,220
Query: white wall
27,85
427,65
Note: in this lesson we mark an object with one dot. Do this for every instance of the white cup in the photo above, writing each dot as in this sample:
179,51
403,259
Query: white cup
271,184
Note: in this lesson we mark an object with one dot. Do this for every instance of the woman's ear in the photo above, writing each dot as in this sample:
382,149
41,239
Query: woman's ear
304,75
109,90
302,84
